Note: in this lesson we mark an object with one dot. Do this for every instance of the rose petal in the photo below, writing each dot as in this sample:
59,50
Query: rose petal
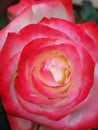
17,123
18,23
56,8
10,49
92,30
87,116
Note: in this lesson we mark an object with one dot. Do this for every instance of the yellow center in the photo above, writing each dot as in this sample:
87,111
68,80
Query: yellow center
60,69
55,69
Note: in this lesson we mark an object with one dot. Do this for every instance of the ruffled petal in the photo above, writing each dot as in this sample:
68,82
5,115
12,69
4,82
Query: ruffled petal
16,25
17,123
87,116
56,8
92,30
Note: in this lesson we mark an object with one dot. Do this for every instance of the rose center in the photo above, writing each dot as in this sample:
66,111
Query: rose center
53,68
60,69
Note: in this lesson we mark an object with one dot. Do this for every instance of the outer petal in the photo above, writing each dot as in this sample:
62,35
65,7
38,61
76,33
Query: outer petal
17,123
21,21
92,30
44,8
87,116
10,49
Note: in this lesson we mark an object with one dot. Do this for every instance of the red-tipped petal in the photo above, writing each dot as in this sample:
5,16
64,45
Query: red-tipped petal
16,25
92,30
87,116
45,8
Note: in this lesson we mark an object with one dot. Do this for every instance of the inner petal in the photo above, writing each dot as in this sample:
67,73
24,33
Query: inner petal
60,69
58,74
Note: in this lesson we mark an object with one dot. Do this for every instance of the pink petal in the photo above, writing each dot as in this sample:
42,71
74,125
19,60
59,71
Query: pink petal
16,25
17,123
45,8
87,116
92,30
10,49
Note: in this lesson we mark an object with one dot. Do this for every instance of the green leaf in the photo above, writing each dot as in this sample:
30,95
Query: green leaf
76,15
88,11
2,22
4,125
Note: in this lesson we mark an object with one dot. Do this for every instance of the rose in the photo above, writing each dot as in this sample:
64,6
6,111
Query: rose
95,84
47,76
27,12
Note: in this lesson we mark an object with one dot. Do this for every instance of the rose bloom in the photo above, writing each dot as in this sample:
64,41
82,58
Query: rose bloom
49,76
